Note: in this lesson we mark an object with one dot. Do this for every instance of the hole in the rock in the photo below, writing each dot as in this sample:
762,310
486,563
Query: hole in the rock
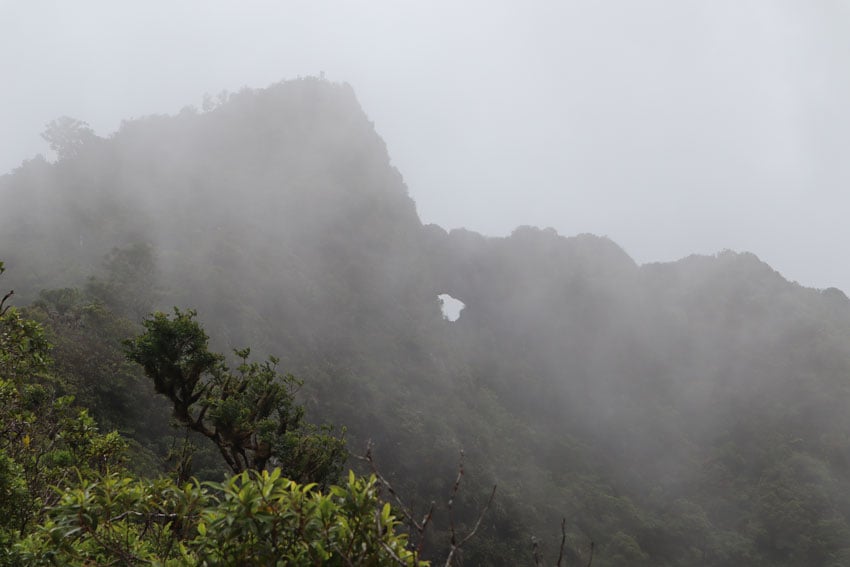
451,306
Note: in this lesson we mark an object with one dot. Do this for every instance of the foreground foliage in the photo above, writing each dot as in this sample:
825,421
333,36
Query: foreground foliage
66,497
42,434
251,519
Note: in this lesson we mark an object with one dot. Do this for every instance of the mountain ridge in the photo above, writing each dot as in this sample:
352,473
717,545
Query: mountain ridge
633,399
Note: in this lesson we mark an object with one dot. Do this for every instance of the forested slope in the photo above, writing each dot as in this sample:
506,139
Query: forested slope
694,412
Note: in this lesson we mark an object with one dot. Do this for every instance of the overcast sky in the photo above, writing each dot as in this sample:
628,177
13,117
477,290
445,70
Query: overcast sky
673,127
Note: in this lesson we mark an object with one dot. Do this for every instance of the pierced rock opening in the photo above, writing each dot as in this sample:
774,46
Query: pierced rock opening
451,306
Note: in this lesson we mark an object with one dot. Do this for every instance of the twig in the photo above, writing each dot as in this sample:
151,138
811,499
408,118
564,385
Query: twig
386,547
425,521
419,526
452,496
474,529
3,302
154,516
563,541
535,551
458,544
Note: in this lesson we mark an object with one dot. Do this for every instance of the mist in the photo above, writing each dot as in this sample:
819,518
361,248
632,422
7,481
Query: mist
671,128
593,248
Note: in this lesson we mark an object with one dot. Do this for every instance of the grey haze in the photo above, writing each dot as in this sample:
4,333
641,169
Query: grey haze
673,127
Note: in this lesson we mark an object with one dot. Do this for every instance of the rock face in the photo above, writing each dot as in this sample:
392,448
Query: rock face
685,413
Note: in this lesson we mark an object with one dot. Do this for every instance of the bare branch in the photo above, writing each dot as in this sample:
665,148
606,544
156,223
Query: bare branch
3,306
563,541
458,545
151,516
455,489
386,547
425,521
535,551
419,526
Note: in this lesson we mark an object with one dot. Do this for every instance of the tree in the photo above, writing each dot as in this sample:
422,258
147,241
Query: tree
251,415
67,136
128,286
42,434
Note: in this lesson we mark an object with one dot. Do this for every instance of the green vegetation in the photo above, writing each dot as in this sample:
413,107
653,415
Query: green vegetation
43,436
67,497
251,416
689,413
252,519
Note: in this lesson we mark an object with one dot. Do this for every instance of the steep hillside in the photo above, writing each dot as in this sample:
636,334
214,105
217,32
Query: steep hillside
675,414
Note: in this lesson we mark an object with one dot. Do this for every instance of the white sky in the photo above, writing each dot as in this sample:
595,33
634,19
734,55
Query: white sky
672,126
